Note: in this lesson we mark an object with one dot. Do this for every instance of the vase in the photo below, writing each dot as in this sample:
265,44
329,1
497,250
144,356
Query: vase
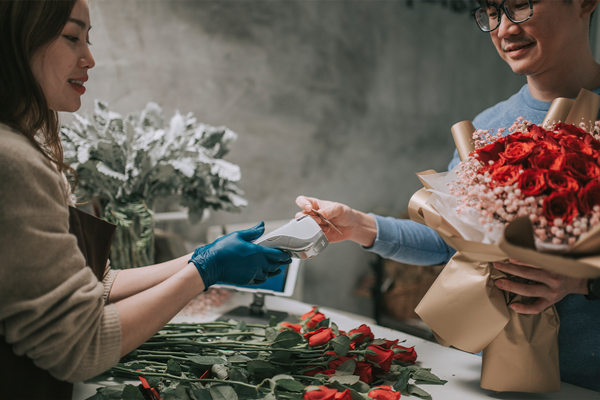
133,243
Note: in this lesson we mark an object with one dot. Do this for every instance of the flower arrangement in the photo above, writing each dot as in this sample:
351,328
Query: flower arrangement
126,163
549,175
234,360
530,196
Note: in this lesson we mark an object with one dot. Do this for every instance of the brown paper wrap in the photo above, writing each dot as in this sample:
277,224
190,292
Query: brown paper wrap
465,309
462,132
585,109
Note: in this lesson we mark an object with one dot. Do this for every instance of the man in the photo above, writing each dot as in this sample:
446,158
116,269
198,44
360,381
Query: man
548,42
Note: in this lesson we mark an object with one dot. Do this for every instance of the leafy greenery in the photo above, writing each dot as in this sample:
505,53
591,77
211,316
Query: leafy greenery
126,163
230,360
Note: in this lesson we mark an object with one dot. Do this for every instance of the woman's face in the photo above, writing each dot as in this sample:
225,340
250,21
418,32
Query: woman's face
61,68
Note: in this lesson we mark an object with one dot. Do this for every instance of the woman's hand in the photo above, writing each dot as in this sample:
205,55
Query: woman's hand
548,287
235,259
353,225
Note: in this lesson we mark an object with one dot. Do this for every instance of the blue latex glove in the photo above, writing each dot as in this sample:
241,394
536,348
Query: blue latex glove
235,259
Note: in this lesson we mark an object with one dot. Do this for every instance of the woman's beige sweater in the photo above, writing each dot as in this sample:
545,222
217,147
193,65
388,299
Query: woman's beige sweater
52,307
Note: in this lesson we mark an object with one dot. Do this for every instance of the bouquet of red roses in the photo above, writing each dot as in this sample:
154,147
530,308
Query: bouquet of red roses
548,175
533,195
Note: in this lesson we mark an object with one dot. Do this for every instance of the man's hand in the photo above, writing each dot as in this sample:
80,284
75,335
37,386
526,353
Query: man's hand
548,287
354,225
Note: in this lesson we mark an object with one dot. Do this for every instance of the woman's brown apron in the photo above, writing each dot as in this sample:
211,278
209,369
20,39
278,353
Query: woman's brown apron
21,379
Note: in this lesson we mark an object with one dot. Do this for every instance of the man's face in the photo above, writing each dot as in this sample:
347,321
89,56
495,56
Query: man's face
543,42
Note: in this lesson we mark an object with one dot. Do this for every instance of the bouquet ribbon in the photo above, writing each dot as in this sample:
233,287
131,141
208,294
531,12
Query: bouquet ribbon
466,310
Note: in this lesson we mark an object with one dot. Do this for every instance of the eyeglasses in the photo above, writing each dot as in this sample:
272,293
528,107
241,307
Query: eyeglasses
488,15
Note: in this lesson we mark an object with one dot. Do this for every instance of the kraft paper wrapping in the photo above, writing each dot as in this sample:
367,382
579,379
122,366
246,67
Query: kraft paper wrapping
585,109
466,310
558,111
462,132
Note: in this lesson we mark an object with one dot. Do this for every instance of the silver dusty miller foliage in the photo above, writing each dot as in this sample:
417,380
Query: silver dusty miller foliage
133,159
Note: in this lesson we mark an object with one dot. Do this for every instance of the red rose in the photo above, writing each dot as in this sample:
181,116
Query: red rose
589,196
574,144
532,182
409,355
334,364
490,152
561,205
383,357
519,137
580,168
548,160
313,317
537,132
345,395
560,181
364,371
505,175
384,392
569,129
517,152
389,343
319,337
322,393
294,327
366,334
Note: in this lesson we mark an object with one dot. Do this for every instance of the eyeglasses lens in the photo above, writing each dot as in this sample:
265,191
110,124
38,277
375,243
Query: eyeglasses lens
488,16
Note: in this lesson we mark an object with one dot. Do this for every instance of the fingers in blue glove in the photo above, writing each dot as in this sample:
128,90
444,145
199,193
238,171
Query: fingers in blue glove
252,233
274,273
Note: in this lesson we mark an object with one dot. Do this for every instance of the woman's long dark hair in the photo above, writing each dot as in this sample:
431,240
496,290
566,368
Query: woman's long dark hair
26,27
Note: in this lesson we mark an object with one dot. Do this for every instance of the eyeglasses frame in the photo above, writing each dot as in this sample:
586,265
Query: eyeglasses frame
501,8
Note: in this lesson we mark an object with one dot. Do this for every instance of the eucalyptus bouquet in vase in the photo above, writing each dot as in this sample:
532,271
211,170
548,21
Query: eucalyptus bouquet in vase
125,163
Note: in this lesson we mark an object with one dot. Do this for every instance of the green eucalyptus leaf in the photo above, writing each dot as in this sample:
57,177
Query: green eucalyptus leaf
418,392
223,393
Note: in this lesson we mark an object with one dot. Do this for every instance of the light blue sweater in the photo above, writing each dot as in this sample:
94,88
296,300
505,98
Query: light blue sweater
412,243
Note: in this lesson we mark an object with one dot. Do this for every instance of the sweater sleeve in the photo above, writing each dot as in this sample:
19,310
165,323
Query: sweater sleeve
409,242
52,308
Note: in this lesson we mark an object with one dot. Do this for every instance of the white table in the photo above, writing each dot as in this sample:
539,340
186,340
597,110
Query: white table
461,370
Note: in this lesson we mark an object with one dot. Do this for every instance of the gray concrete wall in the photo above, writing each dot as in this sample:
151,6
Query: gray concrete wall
342,100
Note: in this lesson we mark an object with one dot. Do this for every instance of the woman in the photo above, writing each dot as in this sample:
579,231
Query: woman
59,323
